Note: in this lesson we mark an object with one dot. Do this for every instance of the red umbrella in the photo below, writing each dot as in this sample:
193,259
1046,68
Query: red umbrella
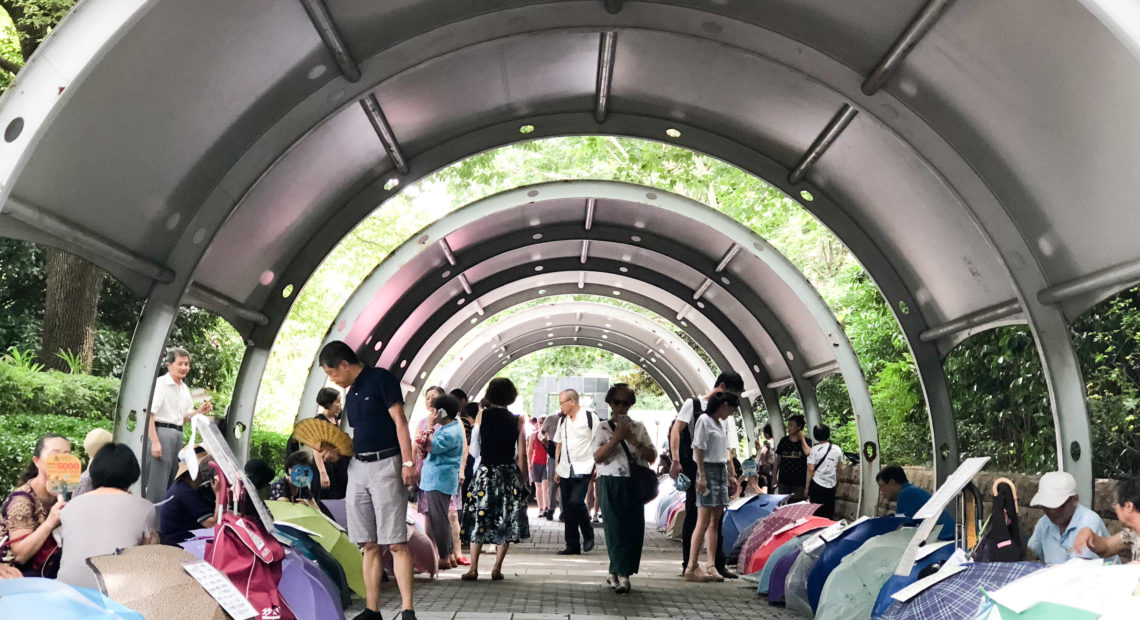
755,563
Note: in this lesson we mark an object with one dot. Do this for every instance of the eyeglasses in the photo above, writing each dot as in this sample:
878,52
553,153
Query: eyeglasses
621,403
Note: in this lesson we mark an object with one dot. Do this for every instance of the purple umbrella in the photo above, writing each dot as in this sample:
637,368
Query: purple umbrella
339,511
779,580
307,590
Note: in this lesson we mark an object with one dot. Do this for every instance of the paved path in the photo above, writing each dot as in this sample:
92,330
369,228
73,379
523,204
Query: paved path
540,585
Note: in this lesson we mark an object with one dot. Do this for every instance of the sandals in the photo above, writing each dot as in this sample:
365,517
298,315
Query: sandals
612,581
623,586
469,576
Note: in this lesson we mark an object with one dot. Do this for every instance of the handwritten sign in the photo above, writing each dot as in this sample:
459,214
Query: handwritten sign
221,589
63,473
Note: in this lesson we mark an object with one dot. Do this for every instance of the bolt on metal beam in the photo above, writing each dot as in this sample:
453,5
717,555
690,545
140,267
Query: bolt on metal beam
582,280
823,141
447,252
1115,276
591,204
702,289
973,319
72,234
215,300
384,131
585,251
322,21
465,283
822,369
606,50
728,256
918,27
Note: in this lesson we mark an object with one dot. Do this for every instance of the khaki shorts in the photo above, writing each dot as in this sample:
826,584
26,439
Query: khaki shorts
377,502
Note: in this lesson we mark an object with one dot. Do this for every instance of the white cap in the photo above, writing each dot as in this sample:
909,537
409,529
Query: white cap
1055,488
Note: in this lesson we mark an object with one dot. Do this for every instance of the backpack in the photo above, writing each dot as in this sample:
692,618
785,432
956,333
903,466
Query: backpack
245,552
685,449
1001,541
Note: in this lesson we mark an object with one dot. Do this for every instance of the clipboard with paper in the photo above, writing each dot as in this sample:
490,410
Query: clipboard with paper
932,509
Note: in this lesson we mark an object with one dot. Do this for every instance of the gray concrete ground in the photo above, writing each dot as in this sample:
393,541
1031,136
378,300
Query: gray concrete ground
540,585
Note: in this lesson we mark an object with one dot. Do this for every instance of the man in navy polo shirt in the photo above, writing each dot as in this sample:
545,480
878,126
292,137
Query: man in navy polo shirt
380,472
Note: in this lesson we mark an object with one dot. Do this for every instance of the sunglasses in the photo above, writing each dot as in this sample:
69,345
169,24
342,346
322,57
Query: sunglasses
621,403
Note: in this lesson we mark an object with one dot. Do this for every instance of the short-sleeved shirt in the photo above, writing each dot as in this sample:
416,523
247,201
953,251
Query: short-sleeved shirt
366,406
185,510
825,457
441,469
24,510
793,462
685,413
710,436
1052,546
911,499
577,439
171,402
98,525
618,465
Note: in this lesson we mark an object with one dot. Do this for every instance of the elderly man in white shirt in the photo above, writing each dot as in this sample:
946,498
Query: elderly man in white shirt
574,453
170,407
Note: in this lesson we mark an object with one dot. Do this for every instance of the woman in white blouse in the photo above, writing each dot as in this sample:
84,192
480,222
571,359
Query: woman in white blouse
710,451
617,441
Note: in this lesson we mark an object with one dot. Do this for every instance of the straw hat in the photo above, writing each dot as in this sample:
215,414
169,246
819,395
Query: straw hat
95,440
313,433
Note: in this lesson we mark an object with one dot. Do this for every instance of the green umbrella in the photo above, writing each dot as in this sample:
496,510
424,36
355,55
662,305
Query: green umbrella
327,534
851,589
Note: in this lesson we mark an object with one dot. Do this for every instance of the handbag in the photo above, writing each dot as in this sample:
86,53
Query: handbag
642,479
249,556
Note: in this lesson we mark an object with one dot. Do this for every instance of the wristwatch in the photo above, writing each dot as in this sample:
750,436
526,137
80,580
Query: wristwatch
408,464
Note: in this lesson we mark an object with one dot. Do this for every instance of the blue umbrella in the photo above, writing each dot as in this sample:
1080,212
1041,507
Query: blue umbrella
34,597
898,582
849,540
753,510
960,596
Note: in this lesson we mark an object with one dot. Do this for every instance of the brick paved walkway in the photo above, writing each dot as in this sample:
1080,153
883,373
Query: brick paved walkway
540,585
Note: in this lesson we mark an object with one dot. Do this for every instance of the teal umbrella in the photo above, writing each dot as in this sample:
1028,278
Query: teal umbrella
852,587
34,597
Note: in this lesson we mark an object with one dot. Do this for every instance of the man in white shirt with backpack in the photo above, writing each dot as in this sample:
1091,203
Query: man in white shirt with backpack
574,455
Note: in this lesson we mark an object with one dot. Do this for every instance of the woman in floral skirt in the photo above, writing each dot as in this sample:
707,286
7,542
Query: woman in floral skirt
495,508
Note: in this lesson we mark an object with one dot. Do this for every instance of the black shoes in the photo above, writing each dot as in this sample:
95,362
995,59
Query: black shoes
588,545
727,574
569,551
368,614
407,614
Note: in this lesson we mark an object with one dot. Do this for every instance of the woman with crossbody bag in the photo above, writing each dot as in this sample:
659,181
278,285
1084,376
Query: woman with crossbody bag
622,445
822,472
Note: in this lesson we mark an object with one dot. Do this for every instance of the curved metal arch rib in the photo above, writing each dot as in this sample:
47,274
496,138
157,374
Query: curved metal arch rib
584,320
732,231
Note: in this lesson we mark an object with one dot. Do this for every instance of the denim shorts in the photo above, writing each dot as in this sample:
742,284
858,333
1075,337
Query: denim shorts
716,475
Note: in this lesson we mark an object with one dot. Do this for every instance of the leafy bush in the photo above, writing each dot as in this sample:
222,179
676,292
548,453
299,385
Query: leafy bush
268,445
53,393
20,431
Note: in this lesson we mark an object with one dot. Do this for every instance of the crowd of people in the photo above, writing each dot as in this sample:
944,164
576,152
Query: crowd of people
469,468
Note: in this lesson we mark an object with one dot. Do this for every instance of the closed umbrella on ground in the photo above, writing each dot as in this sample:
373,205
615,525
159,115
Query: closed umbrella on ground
676,521
852,587
740,517
327,535
778,581
765,577
151,580
846,543
307,589
898,582
960,596
34,597
774,522
759,558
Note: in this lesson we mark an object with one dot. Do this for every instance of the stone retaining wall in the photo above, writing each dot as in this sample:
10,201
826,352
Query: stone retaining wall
847,495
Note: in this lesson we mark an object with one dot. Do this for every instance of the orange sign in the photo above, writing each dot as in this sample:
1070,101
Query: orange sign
63,472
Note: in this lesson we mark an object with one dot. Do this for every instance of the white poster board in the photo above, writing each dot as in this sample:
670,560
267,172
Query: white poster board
221,589
932,509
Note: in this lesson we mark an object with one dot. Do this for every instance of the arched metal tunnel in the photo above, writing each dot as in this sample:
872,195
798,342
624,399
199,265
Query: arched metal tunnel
215,157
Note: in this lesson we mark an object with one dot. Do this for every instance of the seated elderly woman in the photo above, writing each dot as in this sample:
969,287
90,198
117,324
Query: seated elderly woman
106,518
31,513
189,503
1126,542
